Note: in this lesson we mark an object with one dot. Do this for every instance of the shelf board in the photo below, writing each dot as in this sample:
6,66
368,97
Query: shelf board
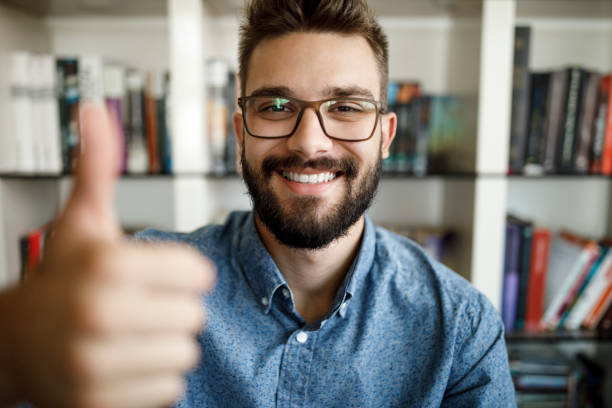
65,8
558,336
573,9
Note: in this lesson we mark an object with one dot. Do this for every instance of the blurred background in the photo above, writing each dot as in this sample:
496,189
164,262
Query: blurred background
500,169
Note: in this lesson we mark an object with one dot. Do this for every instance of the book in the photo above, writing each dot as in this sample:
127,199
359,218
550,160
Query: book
151,125
520,99
555,118
587,121
537,278
591,293
601,306
511,275
161,89
599,127
406,136
606,159
216,81
535,144
114,95
420,163
49,109
571,319
571,124
605,324
68,101
231,96
569,258
526,231
21,131
137,156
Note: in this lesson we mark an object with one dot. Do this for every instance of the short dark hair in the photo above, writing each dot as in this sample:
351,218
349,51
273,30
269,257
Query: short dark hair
274,18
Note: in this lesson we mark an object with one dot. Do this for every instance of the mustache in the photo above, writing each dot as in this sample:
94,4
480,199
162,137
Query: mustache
347,165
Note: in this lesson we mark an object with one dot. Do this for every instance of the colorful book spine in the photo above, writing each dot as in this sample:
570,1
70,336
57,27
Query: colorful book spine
151,127
537,278
511,276
587,121
606,159
599,128
525,262
114,94
68,100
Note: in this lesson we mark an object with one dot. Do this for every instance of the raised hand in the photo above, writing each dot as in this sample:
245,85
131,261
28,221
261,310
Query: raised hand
105,322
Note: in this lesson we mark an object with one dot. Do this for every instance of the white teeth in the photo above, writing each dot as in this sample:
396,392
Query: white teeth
309,178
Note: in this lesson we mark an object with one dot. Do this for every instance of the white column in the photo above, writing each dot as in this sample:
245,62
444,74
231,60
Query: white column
492,146
187,89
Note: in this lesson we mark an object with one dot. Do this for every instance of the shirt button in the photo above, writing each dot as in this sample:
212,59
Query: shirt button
264,301
285,293
301,337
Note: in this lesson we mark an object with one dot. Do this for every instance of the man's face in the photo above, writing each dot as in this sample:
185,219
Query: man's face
313,66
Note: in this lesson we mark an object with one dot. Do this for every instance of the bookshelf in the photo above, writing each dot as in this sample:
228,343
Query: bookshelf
463,47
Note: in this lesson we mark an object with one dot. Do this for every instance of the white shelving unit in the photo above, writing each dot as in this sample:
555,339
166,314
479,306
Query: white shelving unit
461,47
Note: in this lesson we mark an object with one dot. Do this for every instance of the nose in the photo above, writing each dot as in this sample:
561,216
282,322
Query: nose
309,139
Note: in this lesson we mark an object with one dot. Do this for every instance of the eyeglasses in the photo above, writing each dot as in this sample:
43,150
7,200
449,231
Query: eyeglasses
274,117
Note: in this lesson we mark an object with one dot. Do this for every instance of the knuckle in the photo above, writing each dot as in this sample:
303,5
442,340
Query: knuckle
80,367
90,315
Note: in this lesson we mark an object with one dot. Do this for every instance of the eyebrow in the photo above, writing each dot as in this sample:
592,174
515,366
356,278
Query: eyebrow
329,92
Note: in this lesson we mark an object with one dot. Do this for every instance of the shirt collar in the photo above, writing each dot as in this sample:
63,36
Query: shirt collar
265,278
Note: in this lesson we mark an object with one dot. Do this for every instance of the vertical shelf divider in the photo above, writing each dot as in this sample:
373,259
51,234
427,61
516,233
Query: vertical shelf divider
492,147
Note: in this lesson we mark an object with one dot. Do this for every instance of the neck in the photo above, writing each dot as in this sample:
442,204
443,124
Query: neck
314,276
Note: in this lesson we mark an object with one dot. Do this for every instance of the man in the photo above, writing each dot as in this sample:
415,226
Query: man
314,306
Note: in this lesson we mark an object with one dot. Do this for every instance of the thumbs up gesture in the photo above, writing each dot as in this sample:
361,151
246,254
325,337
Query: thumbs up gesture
106,322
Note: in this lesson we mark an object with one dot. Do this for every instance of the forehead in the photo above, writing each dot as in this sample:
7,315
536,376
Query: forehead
310,64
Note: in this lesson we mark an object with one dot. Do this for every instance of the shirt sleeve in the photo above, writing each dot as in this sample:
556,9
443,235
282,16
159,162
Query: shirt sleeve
480,374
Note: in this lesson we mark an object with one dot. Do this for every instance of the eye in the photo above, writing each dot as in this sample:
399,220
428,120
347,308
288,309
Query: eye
275,105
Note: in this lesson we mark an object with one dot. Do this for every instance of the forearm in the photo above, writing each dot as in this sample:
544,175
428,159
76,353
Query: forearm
9,393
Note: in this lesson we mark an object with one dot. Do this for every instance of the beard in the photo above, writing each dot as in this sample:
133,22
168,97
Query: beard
301,221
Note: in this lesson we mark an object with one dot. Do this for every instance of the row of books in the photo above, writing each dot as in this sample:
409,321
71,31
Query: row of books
46,92
428,128
543,377
561,119
556,281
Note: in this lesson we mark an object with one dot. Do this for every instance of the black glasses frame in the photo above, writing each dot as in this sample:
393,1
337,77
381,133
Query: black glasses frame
315,105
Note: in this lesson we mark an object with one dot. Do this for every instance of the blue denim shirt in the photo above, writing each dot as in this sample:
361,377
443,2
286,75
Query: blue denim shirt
403,331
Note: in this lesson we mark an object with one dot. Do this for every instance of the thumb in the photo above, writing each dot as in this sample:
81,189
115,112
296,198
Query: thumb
90,208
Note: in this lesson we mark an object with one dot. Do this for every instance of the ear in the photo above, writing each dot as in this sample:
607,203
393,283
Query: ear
389,126
239,132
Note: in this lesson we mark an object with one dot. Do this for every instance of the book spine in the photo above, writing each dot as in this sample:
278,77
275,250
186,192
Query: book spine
555,117
136,143
511,276
600,126
606,322
537,123
50,116
537,278
520,99
606,159
21,102
151,127
114,94
422,143
68,100
587,119
598,312
231,95
571,124
525,251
